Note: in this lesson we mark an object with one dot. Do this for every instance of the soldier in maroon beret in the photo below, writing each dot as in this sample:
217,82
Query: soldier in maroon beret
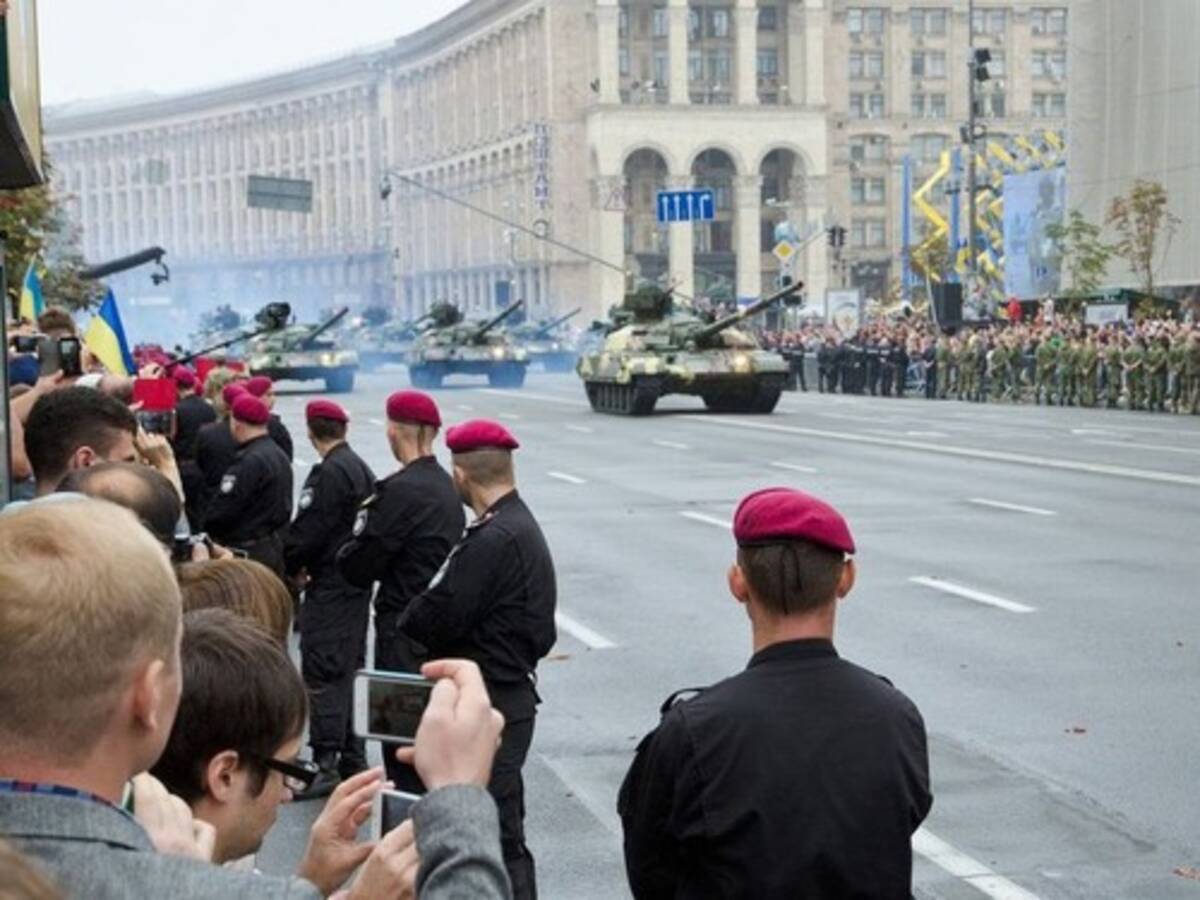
263,388
802,776
401,534
334,615
493,602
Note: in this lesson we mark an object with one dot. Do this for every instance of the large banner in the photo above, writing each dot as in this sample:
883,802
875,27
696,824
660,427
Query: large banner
843,309
1033,201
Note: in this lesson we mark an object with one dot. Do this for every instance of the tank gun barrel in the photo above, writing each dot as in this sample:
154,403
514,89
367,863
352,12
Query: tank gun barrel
561,320
496,320
271,317
321,329
711,331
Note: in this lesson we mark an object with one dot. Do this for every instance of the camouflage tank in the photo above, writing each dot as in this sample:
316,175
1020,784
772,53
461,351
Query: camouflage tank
304,352
381,341
455,347
550,350
655,350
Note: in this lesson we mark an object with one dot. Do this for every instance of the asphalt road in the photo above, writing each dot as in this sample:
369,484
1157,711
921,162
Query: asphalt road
1027,576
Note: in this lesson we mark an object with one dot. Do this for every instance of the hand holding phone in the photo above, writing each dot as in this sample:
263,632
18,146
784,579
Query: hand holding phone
392,809
394,702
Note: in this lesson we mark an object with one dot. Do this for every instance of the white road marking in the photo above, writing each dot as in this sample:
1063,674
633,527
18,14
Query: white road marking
300,464
1023,459
1013,507
511,416
520,394
707,519
792,467
1162,448
378,422
580,429
1091,431
593,639
466,407
952,860
958,590
926,434
671,445
570,479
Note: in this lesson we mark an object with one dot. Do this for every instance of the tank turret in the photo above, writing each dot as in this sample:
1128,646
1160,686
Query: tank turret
452,347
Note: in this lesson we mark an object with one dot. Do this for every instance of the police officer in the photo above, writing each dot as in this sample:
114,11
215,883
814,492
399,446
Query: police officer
802,776
192,413
263,388
254,501
402,533
335,614
216,448
493,602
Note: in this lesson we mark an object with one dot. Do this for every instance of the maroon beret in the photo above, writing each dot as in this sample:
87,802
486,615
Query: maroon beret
480,434
250,410
325,409
774,515
259,385
232,391
413,406
184,377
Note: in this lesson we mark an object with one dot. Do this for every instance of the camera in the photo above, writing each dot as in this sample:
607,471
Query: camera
182,550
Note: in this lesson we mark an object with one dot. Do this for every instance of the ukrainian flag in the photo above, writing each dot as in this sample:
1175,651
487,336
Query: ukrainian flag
32,302
105,337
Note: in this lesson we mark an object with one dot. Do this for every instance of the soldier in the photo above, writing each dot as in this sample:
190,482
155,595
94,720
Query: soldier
1156,373
1045,361
980,369
1176,359
1086,367
998,370
886,367
1191,372
803,775
493,602
841,367
929,364
1068,353
334,615
942,356
900,357
254,501
1134,360
1112,370
824,365
263,388
403,532
216,449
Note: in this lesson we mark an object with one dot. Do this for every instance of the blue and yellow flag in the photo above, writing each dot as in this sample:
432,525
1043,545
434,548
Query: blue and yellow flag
105,337
32,304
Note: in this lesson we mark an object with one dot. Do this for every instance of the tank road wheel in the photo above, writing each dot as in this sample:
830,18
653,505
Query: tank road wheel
340,382
593,391
508,375
645,393
766,396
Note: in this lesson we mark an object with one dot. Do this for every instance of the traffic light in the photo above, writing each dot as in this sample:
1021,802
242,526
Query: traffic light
836,236
983,56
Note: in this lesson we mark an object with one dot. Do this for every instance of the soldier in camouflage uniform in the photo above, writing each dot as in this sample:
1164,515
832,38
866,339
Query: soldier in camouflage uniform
1112,370
1176,358
998,370
1046,361
966,368
1191,373
1016,368
1087,366
1134,360
1156,374
942,355
1067,354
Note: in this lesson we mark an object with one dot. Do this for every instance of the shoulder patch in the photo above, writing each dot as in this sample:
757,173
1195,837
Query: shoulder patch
306,498
360,522
228,483
369,502
680,696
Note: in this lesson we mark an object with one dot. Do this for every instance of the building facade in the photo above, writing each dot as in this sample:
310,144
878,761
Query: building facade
527,140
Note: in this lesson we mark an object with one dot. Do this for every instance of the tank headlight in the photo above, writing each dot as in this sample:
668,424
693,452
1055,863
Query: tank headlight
498,352
741,363
328,359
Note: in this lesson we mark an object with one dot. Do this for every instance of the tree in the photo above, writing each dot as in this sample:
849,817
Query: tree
1086,256
35,223
1140,220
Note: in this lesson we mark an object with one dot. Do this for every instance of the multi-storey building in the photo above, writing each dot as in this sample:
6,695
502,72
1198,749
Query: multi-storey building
511,121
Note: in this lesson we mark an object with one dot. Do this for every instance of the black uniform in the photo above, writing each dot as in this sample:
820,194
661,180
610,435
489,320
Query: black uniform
873,356
493,602
216,451
402,534
191,414
900,367
803,776
280,435
253,503
335,614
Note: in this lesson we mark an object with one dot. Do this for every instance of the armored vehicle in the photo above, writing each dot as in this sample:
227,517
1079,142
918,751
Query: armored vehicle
381,341
304,352
540,340
455,347
660,350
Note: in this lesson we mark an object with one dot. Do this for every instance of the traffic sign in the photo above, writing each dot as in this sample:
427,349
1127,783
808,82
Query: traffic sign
784,251
687,206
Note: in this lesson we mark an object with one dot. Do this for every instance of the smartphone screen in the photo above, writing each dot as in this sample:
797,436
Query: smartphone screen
391,810
49,360
393,705
157,421
70,355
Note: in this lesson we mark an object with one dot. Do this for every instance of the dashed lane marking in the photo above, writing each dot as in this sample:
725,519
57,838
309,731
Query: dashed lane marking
580,429
1160,448
594,640
465,407
1024,459
958,590
707,519
952,860
671,445
569,479
519,394
792,467
1012,507
378,422
512,417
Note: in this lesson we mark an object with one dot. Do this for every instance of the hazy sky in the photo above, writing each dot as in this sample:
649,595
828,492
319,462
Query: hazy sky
92,48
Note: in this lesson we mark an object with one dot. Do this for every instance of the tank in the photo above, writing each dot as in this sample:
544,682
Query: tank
551,350
655,349
304,353
381,341
453,346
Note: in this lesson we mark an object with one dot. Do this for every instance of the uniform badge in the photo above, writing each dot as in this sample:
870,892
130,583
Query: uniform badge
306,498
227,483
360,522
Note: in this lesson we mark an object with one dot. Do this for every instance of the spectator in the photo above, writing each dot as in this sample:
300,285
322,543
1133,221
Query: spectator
56,322
242,586
192,412
148,494
74,428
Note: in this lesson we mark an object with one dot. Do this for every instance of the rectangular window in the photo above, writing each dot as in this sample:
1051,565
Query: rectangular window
623,60
930,22
858,106
719,68
865,191
876,233
695,65
662,67
929,64
768,18
864,20
989,21
875,106
623,22
868,148
718,22
866,64
998,66
997,105
659,25
929,147
1049,105
695,24
918,106
768,63
1049,64
1048,20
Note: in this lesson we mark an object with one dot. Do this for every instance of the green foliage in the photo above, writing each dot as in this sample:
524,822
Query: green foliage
1141,220
35,223
1084,254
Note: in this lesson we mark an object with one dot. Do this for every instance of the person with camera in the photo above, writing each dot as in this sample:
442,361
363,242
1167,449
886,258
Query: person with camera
74,427
804,775
335,614
253,503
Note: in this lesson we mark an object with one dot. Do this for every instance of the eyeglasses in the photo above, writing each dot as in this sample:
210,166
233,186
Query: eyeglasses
298,774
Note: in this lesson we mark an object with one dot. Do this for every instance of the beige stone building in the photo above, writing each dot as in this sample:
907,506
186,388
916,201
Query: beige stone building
527,140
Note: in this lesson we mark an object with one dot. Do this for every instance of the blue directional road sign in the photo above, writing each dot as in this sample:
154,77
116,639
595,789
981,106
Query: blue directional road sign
687,206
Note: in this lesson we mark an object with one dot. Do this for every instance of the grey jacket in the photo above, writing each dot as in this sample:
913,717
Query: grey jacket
458,840
96,852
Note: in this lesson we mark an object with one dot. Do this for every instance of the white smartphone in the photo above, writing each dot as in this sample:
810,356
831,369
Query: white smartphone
391,809
388,705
